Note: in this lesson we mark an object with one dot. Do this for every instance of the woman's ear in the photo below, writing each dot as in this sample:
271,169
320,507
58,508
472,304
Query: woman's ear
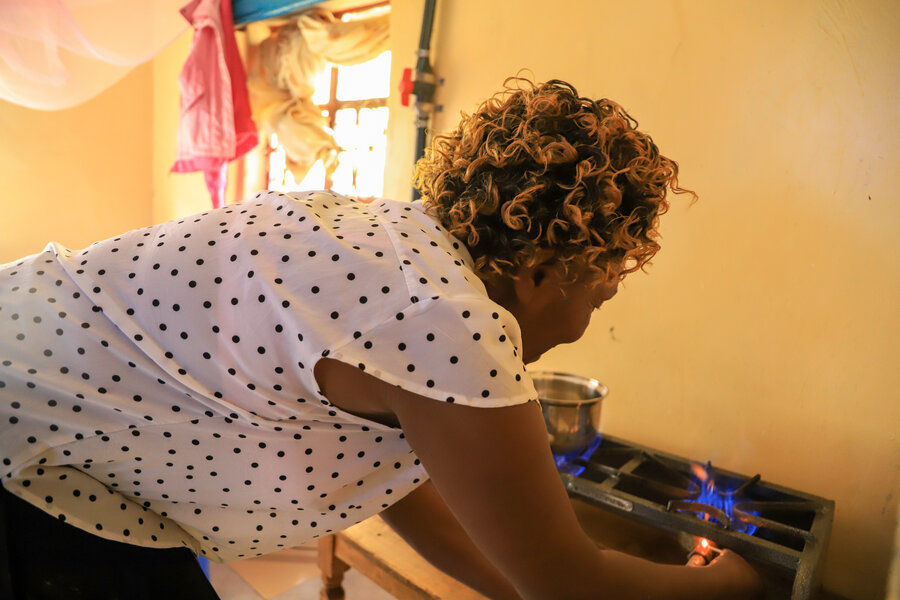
537,284
529,288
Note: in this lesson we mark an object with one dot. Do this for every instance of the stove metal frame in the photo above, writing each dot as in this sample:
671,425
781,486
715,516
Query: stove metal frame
805,564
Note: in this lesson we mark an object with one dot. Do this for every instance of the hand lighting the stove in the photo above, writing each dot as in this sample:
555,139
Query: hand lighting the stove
703,553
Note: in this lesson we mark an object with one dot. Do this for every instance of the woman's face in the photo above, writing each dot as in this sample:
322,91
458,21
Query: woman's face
550,312
566,319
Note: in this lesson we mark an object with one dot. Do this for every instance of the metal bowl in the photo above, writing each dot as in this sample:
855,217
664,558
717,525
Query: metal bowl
571,406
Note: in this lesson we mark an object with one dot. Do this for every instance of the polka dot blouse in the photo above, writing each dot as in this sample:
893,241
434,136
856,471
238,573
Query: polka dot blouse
157,388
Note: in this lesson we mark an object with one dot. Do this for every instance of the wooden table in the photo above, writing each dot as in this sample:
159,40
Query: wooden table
372,548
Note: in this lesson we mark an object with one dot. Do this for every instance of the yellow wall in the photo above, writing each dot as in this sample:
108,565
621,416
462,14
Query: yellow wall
765,337
77,175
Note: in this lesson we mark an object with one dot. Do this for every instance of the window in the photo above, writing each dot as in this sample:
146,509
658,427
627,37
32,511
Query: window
354,100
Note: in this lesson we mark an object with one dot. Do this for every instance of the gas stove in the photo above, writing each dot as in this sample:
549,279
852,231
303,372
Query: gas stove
763,522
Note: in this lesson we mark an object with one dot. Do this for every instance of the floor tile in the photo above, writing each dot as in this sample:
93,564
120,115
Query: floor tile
291,574
274,573
229,585
356,587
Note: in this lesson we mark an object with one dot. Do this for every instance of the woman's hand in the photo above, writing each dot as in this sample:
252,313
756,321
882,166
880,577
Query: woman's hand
736,573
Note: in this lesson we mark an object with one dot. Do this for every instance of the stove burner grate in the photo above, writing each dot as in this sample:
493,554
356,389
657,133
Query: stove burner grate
761,521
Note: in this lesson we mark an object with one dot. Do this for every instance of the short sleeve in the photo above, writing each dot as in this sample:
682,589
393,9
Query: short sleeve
465,350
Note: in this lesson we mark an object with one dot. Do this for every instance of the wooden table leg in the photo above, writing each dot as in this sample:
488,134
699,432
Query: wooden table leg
333,570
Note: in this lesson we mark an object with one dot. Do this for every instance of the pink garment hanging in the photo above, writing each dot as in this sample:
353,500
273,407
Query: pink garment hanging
215,126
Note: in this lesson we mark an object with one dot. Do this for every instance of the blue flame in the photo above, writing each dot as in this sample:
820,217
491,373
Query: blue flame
565,462
721,499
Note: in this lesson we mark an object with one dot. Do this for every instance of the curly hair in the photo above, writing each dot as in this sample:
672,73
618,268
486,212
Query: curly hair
538,168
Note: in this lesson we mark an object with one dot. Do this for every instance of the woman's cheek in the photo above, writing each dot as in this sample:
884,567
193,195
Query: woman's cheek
576,327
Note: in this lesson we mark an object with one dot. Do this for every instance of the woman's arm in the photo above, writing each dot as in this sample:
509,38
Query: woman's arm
423,520
493,469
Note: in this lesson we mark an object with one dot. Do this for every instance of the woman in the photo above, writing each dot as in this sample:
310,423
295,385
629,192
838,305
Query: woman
259,375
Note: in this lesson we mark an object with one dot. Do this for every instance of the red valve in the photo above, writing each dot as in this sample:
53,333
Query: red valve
406,86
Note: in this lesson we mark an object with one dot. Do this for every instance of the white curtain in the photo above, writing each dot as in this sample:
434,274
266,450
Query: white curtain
283,63
55,54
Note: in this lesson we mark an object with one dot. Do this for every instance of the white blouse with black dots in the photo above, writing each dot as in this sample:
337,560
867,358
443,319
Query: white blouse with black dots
157,388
